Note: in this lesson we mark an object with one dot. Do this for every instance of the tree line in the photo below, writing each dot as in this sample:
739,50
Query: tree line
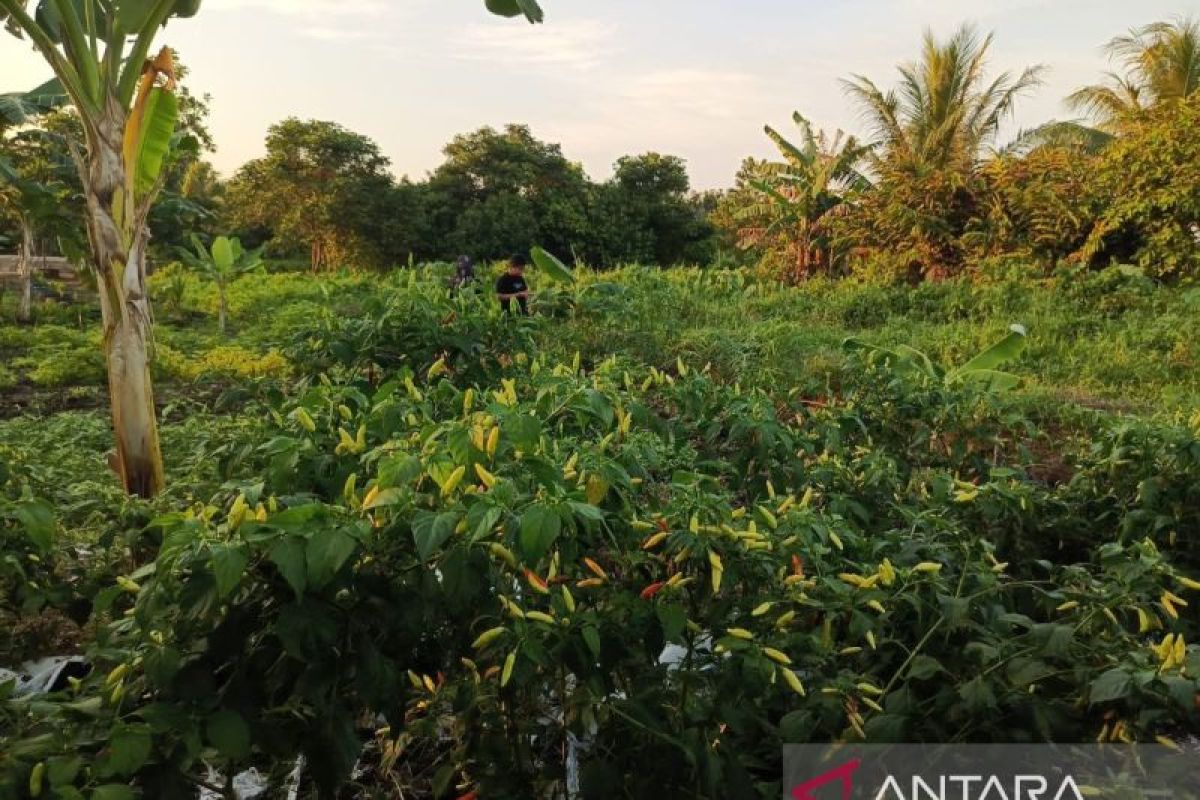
326,192
930,192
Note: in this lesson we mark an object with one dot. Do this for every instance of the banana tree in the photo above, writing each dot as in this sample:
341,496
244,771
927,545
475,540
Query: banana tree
100,53
982,370
223,263
800,195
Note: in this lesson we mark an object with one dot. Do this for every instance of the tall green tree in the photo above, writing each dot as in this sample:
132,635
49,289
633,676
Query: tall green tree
1160,62
501,192
647,214
319,184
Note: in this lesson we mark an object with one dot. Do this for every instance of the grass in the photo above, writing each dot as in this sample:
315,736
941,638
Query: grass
1107,340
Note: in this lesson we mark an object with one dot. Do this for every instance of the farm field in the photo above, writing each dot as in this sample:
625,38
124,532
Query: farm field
359,442
486,531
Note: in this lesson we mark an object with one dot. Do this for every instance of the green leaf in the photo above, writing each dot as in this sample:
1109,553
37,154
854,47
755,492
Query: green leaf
482,520
228,566
222,254
133,15
673,618
113,791
1115,684
230,734
62,770
186,8
551,267
523,430
288,556
1183,692
924,667
511,8
332,750
38,521
797,727
162,665
306,630
158,126
978,695
128,751
540,527
1001,352
327,551
431,531
591,636
1024,672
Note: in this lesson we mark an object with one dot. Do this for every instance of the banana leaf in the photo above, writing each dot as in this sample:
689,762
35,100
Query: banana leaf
898,361
222,253
158,125
553,269
512,8
133,15
991,379
1003,351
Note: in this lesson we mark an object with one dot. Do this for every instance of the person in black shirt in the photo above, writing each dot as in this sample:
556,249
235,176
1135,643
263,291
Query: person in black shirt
512,286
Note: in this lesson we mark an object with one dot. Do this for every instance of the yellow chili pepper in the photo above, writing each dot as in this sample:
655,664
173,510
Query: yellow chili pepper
777,656
488,636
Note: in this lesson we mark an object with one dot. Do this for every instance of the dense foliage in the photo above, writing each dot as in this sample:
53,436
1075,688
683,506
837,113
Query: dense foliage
945,196
464,553
497,193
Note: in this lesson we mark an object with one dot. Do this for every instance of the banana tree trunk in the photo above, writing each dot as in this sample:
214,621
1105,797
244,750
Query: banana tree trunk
222,309
25,273
118,238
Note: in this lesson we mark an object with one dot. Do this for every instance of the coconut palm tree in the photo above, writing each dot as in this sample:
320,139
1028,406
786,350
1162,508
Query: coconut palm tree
1161,63
801,194
946,110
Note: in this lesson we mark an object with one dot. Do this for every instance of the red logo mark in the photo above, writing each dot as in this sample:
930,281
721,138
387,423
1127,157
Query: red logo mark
844,773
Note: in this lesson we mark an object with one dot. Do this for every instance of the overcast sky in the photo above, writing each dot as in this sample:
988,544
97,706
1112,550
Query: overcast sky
696,78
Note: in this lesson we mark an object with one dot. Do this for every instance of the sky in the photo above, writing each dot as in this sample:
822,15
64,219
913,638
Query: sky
604,78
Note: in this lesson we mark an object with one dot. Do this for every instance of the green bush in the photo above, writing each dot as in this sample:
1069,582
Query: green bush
466,578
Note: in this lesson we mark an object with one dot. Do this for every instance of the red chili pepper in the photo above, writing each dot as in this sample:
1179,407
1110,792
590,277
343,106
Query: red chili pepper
652,590
797,566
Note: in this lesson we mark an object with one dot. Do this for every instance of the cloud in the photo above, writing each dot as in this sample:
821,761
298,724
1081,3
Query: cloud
711,117
323,20
305,8
571,44
329,34
696,92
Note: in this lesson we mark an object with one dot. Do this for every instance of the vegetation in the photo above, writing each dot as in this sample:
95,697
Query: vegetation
921,465
223,262
538,534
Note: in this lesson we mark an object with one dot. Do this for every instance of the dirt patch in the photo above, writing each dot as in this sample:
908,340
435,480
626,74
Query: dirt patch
49,633
27,400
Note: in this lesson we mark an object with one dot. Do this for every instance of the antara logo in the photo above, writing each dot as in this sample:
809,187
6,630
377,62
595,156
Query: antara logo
959,787
944,787
844,773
